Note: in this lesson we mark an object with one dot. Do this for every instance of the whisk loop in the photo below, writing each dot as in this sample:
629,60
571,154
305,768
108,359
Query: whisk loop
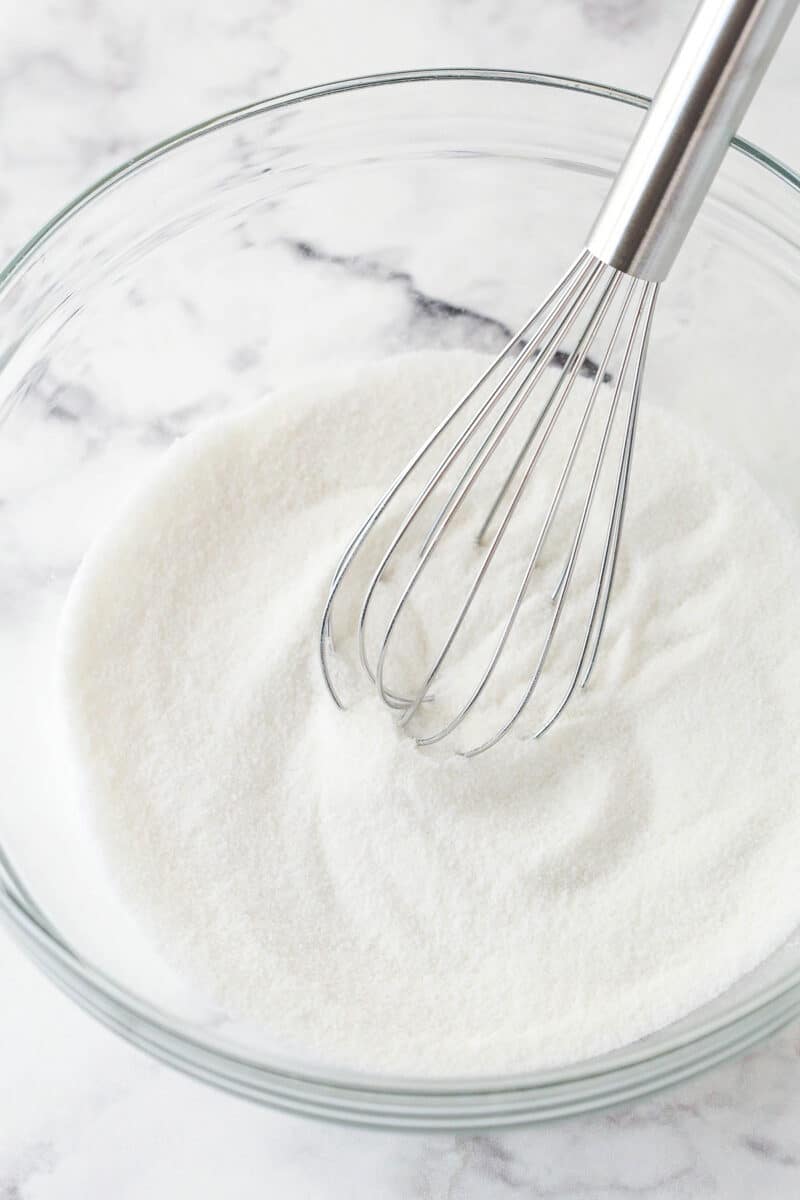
513,382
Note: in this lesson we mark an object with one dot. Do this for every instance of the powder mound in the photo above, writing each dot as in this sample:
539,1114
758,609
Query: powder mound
389,909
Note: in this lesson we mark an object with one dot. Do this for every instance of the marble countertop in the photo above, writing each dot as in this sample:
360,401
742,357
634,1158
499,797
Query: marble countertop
83,84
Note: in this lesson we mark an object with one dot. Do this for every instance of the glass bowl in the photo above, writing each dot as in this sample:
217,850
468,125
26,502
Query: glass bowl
353,220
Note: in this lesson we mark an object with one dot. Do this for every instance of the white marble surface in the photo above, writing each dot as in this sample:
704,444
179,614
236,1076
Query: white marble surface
82,1115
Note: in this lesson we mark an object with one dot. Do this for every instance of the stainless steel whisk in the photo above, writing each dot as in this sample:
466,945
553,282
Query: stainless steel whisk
609,290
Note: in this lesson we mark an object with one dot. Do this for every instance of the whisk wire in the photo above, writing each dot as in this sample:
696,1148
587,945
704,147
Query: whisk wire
582,265
430,739
539,358
644,309
562,390
618,512
566,310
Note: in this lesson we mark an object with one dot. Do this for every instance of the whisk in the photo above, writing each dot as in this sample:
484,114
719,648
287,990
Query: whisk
584,346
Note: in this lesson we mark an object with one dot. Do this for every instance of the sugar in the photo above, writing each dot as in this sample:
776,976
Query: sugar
392,910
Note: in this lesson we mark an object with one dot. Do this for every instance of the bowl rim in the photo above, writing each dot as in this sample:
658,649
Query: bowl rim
359,1097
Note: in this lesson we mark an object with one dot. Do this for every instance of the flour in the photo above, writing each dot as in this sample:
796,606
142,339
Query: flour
391,910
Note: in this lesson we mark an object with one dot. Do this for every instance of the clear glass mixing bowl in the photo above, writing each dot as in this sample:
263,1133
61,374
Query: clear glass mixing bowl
356,219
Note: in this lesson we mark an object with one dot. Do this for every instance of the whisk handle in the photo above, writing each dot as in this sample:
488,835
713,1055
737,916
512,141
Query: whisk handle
698,107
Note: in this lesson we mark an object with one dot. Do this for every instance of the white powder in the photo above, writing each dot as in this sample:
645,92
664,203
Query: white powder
391,910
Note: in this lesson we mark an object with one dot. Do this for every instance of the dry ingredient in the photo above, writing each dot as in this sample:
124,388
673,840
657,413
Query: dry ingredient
395,911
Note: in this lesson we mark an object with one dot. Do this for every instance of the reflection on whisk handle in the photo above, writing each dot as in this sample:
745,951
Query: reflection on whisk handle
686,131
